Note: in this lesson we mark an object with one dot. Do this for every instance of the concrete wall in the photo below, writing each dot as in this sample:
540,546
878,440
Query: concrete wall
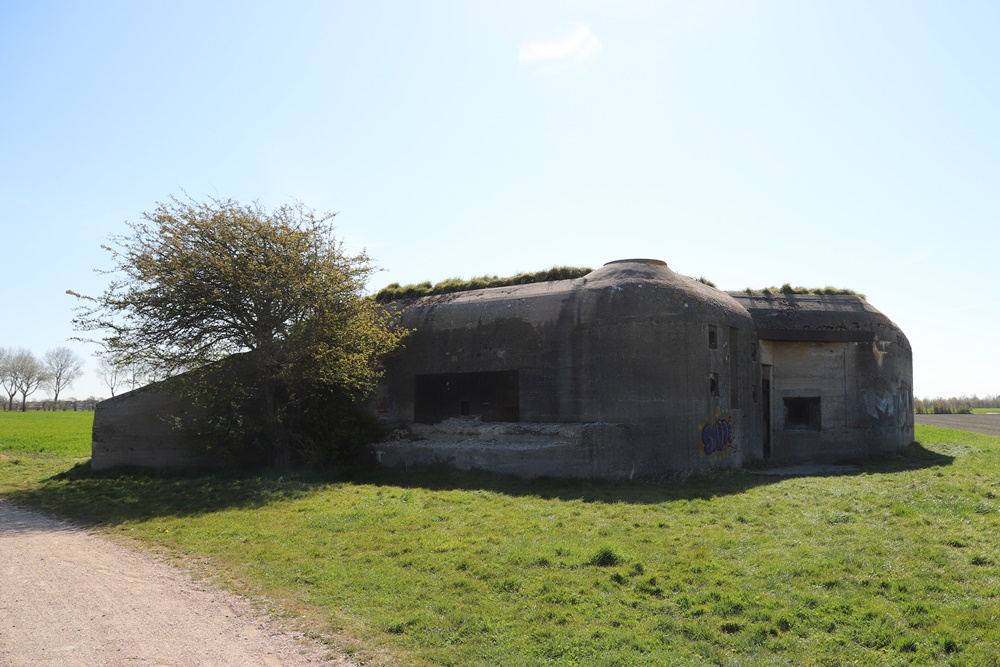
632,345
840,350
138,429
630,372
581,451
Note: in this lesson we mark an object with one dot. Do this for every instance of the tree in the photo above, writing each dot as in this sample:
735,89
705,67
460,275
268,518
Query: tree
116,374
63,367
136,375
110,374
252,314
7,379
28,373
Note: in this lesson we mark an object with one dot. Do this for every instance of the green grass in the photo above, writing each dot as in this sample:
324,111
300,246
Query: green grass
983,411
895,565
60,434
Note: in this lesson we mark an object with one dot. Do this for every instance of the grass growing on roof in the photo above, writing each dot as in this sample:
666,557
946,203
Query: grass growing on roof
395,291
788,289
894,565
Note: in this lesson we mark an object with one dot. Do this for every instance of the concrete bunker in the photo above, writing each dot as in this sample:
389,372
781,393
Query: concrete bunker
682,377
839,374
631,371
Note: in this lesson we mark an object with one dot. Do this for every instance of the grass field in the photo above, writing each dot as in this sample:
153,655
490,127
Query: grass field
61,434
894,565
983,411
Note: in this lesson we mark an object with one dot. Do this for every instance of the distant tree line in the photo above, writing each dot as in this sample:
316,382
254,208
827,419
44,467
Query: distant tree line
951,406
22,374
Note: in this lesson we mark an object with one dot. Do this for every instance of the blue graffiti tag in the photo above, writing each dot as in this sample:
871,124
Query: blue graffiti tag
717,436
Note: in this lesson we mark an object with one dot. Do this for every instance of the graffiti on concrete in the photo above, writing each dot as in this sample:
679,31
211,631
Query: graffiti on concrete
718,437
889,408
880,407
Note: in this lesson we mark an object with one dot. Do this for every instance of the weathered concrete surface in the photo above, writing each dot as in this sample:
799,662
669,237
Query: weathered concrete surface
818,317
632,343
806,470
584,451
139,429
847,356
866,408
647,373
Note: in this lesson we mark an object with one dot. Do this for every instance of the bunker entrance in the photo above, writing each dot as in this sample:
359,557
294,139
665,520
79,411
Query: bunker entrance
493,396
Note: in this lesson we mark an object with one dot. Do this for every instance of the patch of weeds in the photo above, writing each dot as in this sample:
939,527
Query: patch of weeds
982,560
949,645
400,627
508,585
605,557
650,587
728,607
730,627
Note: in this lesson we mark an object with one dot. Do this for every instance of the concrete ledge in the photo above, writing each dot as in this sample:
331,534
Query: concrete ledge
526,450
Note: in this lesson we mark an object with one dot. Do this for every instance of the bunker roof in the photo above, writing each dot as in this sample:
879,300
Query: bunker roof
818,317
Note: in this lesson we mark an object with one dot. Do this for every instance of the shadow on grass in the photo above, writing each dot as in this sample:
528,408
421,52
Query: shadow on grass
691,487
129,494
124,494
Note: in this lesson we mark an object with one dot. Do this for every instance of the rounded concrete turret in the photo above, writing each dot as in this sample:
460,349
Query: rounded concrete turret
632,343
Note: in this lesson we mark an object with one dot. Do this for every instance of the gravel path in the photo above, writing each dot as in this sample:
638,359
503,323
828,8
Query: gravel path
981,423
71,598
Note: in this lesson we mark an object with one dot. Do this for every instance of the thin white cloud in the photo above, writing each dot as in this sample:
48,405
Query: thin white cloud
577,49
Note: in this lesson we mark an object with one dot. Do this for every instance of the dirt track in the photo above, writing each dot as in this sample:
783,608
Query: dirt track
70,598
989,424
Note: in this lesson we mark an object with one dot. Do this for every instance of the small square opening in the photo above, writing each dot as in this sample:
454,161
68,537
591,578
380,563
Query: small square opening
802,413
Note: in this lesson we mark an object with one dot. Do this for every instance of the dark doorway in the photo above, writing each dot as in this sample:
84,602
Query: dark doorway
765,395
493,396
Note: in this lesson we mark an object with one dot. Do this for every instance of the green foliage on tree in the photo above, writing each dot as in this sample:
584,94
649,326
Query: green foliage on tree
259,317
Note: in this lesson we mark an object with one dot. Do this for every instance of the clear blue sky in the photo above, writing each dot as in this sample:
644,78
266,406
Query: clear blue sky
845,143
